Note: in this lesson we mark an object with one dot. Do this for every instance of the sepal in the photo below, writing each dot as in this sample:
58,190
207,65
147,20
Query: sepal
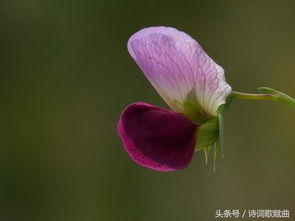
207,134
210,134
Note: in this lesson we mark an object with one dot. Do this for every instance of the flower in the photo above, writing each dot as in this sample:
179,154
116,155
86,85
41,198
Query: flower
193,86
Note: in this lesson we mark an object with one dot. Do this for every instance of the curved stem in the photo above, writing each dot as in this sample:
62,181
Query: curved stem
280,96
248,96
269,94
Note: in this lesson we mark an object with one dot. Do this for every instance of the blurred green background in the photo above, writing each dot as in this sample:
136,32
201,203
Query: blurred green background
66,76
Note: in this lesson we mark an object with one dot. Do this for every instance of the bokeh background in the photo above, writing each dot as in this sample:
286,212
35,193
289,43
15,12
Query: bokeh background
66,76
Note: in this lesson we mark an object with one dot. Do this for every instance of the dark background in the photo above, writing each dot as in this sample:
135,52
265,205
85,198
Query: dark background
66,76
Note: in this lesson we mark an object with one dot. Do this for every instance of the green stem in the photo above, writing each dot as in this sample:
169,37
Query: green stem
248,96
270,94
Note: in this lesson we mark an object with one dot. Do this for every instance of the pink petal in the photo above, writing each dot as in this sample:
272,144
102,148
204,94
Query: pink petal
157,138
176,65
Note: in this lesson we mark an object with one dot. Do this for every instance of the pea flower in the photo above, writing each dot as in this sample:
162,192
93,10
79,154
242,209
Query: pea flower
192,85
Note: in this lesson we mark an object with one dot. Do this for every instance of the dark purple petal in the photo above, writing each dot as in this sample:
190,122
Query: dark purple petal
157,138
